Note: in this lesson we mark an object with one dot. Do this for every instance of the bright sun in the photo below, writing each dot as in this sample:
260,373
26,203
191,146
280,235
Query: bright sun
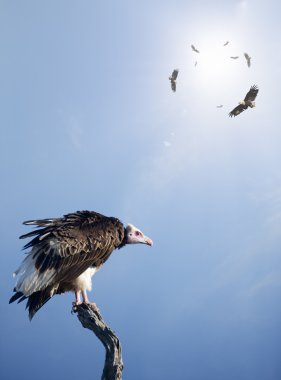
214,64
212,70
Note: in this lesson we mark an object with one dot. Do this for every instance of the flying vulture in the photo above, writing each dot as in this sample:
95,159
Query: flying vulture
173,78
66,252
227,42
220,106
249,101
235,57
194,49
195,64
248,59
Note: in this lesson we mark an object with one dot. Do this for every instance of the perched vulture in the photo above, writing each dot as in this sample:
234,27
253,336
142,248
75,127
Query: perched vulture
66,252
220,106
248,59
194,49
227,42
173,78
249,101
235,57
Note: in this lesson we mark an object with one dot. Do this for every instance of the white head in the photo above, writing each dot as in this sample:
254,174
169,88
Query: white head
242,103
135,236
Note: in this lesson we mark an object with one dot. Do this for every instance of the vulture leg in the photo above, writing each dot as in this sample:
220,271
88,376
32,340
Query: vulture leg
86,300
77,297
85,297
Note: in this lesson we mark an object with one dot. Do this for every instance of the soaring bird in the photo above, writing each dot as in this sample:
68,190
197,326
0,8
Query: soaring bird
226,43
249,101
194,49
248,59
66,252
220,106
235,57
173,78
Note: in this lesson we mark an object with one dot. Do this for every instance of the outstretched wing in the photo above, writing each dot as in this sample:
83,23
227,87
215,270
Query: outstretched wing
194,49
175,74
173,85
237,110
234,57
64,248
248,59
251,95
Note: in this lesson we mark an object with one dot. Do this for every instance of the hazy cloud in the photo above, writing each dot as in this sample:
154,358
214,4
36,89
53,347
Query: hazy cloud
167,144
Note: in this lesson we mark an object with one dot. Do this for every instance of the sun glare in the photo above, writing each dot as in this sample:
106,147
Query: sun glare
213,69
214,63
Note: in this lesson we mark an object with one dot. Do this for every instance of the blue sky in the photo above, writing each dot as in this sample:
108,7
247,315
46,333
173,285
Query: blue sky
88,121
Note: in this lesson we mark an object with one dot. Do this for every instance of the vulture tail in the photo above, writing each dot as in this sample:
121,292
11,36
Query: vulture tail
37,300
16,296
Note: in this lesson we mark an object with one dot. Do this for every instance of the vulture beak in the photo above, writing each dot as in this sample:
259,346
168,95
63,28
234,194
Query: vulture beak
148,241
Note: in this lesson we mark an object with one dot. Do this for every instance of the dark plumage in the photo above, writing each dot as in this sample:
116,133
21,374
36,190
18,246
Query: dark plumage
173,78
249,101
226,43
194,49
248,59
66,252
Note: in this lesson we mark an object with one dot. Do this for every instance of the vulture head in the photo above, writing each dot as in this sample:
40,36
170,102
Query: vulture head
135,236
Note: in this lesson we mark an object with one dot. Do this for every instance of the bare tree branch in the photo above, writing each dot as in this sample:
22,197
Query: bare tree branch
91,319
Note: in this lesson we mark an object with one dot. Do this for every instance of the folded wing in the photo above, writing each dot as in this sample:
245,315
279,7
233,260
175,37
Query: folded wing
61,250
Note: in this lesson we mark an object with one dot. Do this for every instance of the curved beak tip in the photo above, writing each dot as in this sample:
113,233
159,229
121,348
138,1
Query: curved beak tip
149,242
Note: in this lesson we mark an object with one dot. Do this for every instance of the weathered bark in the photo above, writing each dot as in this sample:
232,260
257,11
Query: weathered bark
91,319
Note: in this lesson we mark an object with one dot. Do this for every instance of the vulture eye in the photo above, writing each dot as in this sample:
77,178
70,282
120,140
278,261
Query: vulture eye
137,233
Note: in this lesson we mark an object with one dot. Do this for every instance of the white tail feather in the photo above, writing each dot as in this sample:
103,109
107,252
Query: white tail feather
29,279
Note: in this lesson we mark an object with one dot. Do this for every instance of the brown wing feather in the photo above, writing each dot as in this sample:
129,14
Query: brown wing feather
64,248
73,243
237,110
252,93
175,74
173,85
